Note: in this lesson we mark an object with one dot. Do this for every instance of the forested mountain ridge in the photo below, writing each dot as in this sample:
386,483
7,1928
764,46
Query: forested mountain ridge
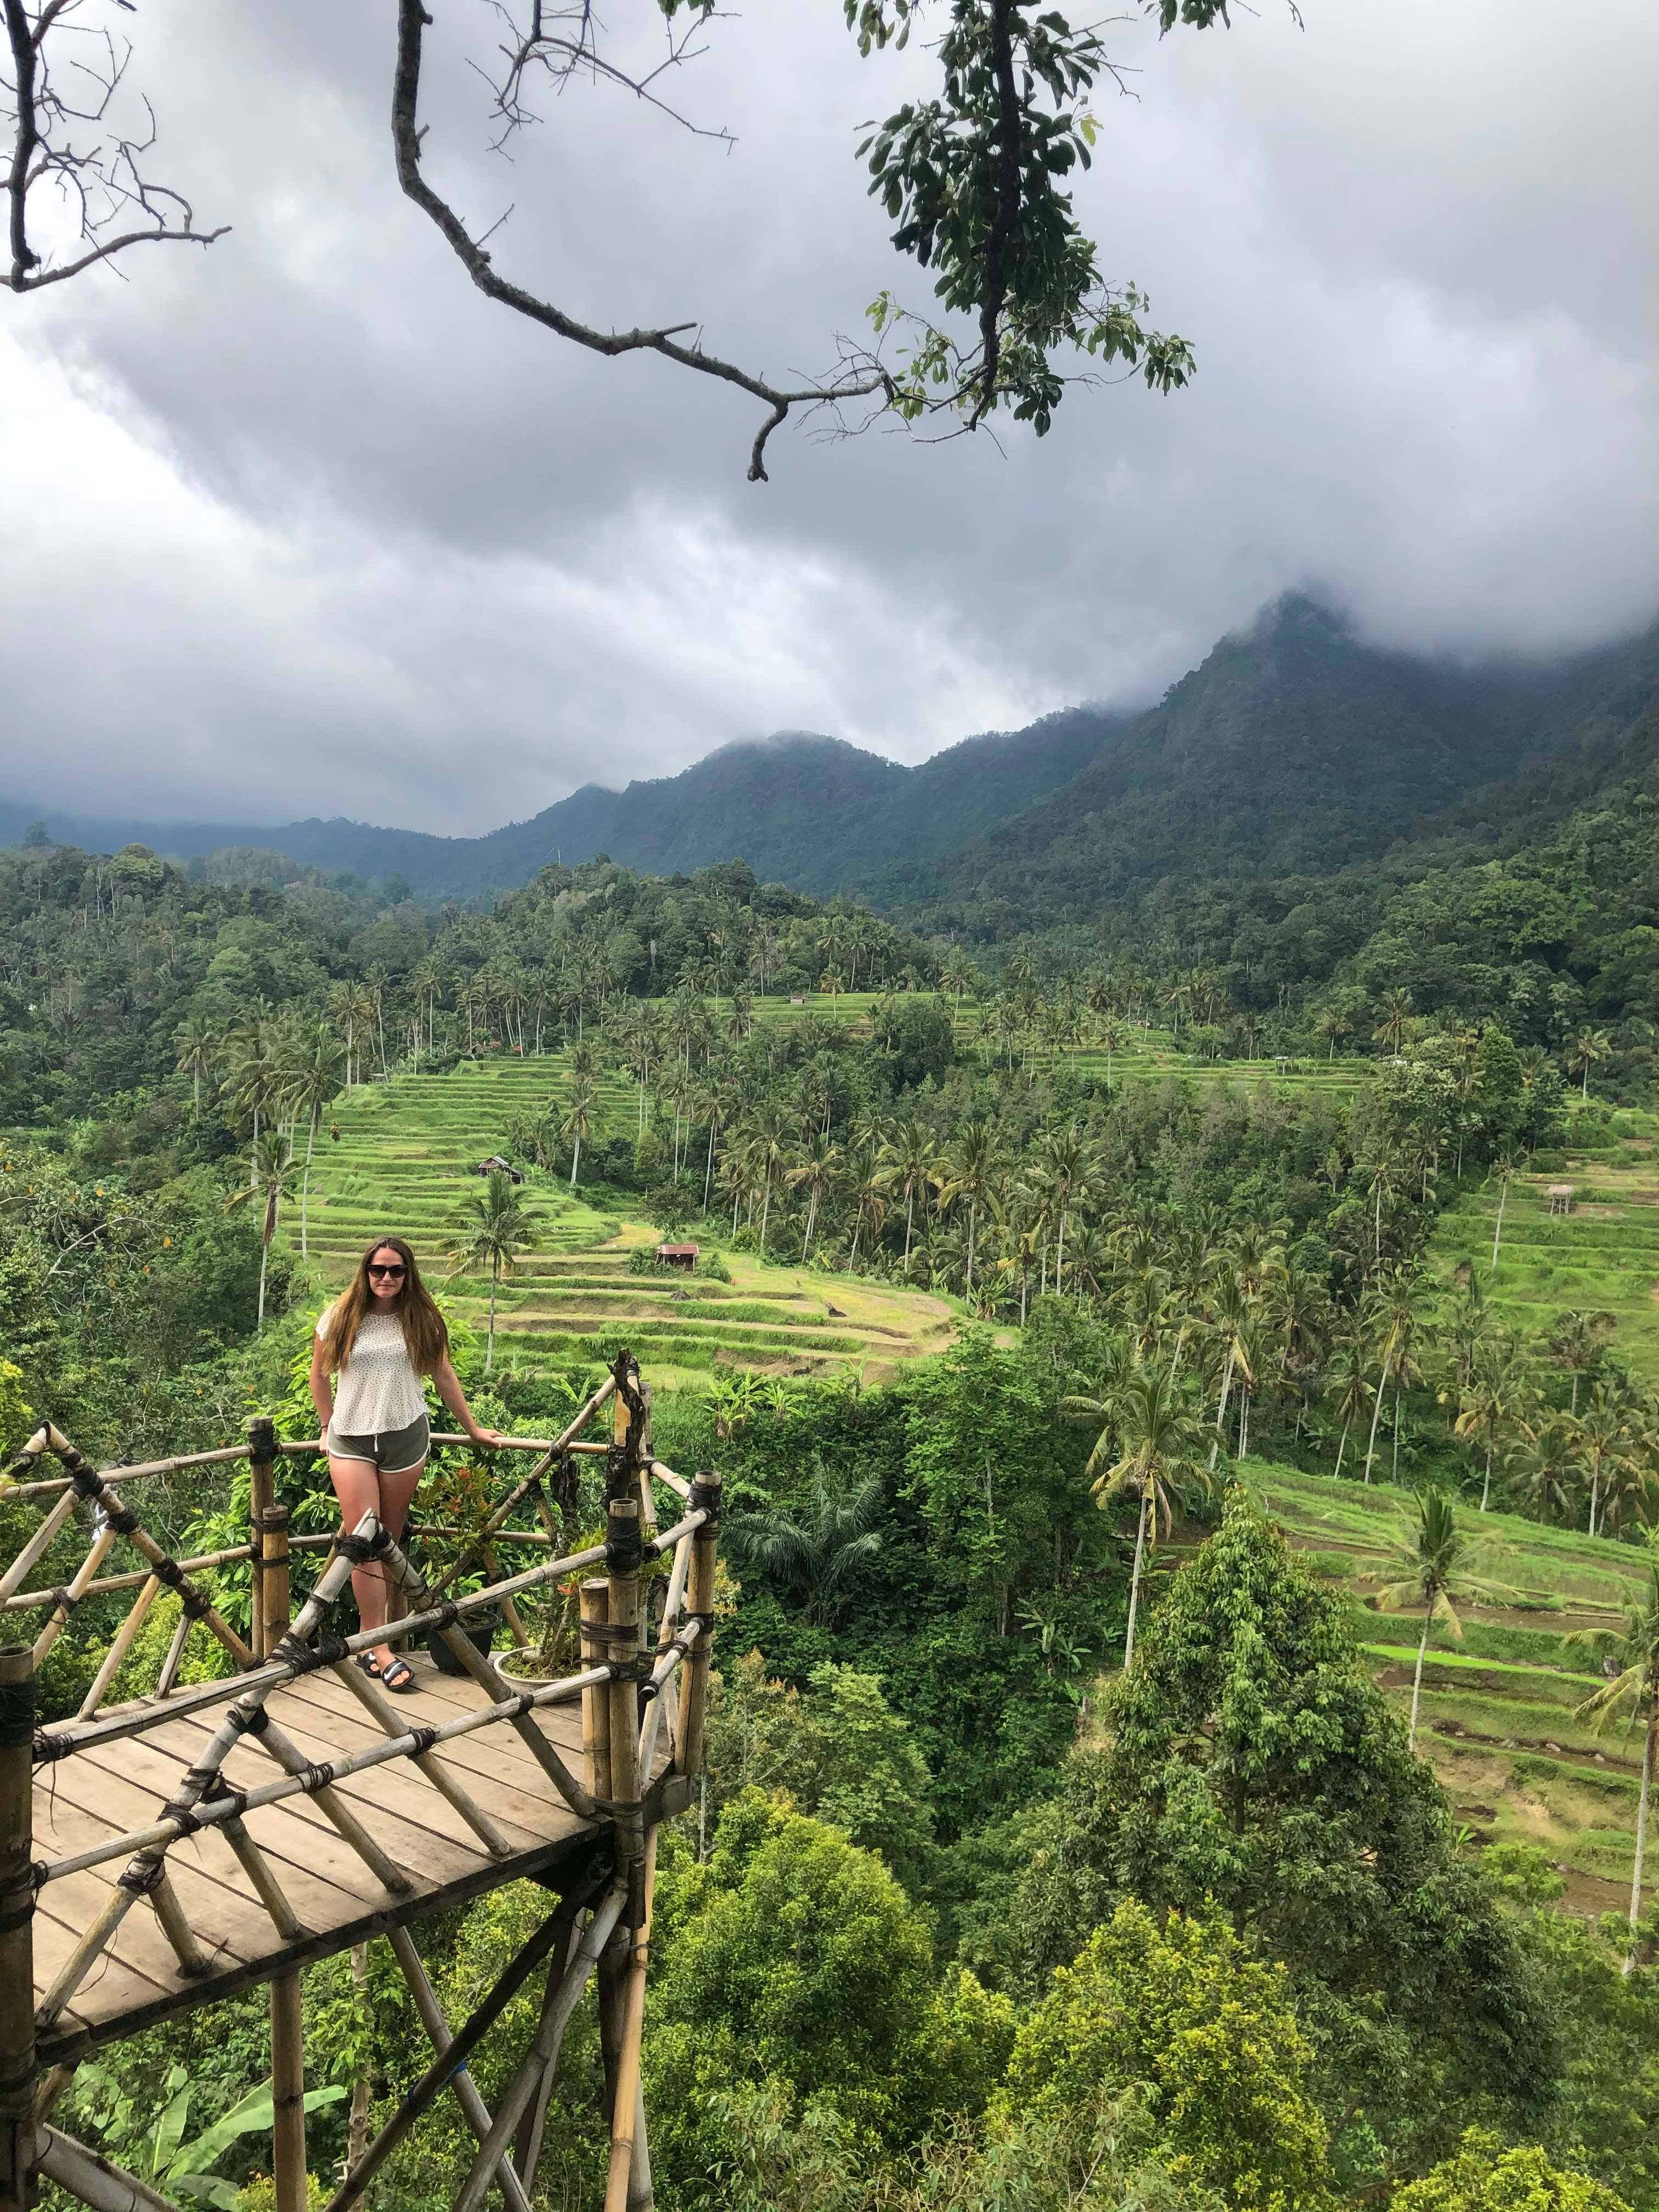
1294,749
808,810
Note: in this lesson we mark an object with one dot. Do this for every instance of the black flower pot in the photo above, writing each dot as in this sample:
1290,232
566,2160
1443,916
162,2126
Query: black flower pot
479,1630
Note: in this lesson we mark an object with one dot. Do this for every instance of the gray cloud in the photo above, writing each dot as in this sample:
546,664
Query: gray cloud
310,526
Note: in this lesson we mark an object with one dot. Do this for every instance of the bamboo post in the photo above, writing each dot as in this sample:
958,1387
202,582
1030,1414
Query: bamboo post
272,1592
262,1495
700,1607
628,2185
596,1703
288,2080
17,2067
287,2035
622,1560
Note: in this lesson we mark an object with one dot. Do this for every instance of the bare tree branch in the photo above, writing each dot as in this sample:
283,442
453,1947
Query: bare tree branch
103,181
861,377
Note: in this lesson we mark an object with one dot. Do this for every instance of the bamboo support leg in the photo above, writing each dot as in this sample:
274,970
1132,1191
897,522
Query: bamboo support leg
595,1597
626,2189
435,1771
437,2028
288,2090
552,1939
59,1620
96,2181
115,1658
543,2055
622,1560
17,2129
176,1928
700,1604
292,1760
273,1592
170,1665
510,1612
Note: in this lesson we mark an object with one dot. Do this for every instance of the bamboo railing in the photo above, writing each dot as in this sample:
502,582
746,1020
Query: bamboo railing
642,1687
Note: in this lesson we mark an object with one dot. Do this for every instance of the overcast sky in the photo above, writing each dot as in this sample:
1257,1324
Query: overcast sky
303,525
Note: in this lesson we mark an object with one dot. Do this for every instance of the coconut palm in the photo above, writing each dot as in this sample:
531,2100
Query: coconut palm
1392,1313
273,1181
1350,1390
198,1040
494,1229
1602,1438
1586,1048
1431,1554
1391,1031
1577,1341
1544,1466
254,1080
913,1168
1230,1314
817,1554
312,1078
1505,1170
1632,1695
1158,1439
576,1122
1495,1396
817,1172
971,1165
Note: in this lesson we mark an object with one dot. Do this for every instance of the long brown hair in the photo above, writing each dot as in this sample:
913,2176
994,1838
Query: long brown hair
425,1335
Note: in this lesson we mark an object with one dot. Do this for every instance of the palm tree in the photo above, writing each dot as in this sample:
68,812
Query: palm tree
197,1040
817,1171
971,1168
1578,1340
1067,1167
1498,1389
1633,1693
1159,1439
1393,1313
1351,1389
1602,1438
1431,1555
816,1555
577,1122
1391,1031
494,1229
314,1076
273,1181
1230,1310
1504,1168
913,1166
253,1082
769,1150
1545,1464
1587,1048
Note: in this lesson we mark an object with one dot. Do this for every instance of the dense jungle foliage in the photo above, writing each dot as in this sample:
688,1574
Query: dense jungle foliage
972,1914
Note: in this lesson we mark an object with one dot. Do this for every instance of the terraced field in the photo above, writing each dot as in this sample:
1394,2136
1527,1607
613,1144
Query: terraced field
1146,1055
1602,1257
399,1155
1498,1716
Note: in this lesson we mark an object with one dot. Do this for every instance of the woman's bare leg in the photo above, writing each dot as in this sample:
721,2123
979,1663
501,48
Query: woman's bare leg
357,1486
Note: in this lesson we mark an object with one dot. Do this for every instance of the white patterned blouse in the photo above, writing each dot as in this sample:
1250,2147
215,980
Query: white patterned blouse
377,1389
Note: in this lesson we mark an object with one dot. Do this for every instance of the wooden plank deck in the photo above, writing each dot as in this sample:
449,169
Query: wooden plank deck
121,1787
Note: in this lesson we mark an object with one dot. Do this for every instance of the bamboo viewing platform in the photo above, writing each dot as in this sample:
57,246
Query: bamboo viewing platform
161,1854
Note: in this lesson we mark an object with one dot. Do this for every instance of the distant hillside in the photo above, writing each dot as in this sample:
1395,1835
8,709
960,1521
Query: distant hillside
811,812
1294,749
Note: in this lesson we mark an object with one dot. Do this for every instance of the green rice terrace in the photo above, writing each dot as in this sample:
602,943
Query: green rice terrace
402,1156
1602,1257
1497,1719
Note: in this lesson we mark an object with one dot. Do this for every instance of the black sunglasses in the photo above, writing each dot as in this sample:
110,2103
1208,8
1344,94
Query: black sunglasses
386,1270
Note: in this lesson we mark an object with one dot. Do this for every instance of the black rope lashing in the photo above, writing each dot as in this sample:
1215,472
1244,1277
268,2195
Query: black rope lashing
188,1819
359,1550
17,1714
313,1778
48,1747
307,1658
421,1740
448,1613
144,1876
121,1518
195,1605
248,1720
64,1601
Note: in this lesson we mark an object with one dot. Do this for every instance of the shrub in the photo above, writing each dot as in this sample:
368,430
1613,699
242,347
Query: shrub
1484,2177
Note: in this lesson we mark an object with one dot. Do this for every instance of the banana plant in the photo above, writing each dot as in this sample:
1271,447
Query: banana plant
159,2154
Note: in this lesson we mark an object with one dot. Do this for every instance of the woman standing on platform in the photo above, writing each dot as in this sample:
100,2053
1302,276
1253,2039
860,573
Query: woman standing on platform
378,1340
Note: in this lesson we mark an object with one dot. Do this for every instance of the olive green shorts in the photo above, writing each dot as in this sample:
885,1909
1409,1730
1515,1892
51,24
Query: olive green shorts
391,1451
